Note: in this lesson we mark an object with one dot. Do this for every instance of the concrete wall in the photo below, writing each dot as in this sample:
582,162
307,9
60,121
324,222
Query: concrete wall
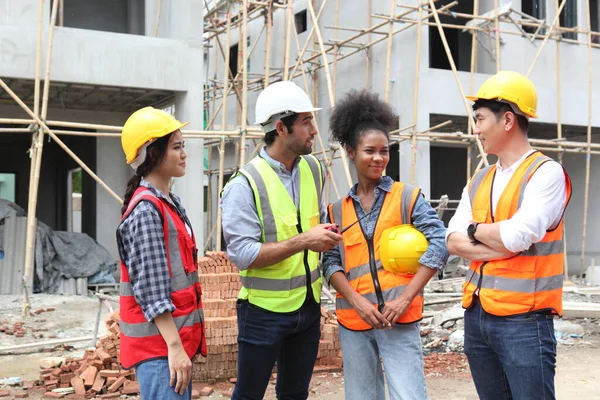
173,61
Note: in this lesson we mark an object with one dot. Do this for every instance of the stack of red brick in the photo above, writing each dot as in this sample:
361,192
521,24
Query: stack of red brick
97,374
220,287
330,352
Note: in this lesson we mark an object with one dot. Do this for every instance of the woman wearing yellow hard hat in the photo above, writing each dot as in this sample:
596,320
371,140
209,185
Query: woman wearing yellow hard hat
162,323
384,261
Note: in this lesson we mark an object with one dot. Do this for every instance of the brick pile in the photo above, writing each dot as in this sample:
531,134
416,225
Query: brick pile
97,374
330,352
220,287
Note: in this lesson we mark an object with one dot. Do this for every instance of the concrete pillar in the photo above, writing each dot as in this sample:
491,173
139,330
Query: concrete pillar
189,106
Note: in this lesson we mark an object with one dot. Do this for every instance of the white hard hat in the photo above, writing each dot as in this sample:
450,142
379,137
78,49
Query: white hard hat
279,100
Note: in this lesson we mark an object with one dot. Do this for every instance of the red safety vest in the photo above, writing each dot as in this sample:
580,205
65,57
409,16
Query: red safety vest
533,279
355,249
140,339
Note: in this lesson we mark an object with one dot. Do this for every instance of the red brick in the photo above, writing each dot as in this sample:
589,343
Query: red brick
227,393
66,378
28,384
206,391
78,385
89,376
50,309
131,387
109,372
4,393
98,383
51,382
74,396
21,395
115,386
103,355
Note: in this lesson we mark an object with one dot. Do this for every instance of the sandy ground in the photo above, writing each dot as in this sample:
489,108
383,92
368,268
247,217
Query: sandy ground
578,365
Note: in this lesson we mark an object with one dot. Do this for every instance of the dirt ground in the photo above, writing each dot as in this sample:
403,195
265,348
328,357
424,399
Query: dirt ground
447,374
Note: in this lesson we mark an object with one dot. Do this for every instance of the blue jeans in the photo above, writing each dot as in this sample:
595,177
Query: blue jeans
264,337
400,351
510,357
154,376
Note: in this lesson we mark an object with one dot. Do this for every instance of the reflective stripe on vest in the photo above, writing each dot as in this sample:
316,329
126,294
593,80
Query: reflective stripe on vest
516,284
258,283
530,281
140,339
150,329
283,287
388,295
354,255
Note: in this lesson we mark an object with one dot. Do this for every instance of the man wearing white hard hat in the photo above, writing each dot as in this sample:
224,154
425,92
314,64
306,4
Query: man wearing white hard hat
272,213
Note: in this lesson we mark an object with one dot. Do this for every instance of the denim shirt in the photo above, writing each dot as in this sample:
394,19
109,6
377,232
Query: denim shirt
424,218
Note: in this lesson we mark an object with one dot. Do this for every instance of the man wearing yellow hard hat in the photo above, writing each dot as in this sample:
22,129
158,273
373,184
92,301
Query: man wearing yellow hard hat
509,223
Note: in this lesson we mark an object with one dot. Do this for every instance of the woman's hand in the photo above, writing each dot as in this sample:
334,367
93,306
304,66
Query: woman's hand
369,313
395,308
180,368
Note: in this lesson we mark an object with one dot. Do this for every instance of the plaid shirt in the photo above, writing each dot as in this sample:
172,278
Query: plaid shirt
141,243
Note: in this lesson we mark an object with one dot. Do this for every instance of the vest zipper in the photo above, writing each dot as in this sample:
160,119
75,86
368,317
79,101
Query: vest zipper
309,293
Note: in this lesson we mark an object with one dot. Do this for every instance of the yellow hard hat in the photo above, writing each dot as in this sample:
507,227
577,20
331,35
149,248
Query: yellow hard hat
145,125
401,247
511,87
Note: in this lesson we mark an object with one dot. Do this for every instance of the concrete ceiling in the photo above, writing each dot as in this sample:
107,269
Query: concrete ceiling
77,96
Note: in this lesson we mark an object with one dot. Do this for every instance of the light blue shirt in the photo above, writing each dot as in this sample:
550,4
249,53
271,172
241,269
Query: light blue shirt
241,225
424,218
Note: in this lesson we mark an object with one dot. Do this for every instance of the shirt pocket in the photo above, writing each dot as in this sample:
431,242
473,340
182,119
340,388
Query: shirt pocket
188,254
288,224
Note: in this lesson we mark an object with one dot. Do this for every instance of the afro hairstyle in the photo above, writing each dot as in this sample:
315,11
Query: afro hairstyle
359,112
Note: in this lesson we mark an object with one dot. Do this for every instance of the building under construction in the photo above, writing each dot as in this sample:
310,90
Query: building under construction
72,71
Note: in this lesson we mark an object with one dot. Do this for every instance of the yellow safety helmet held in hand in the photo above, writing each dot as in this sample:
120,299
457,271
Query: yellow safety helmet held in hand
510,87
144,126
401,247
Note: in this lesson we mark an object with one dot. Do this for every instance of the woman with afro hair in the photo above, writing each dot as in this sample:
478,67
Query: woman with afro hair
378,310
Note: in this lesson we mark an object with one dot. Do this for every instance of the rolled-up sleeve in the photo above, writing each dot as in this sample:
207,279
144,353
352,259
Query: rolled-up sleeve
241,225
544,202
426,220
142,249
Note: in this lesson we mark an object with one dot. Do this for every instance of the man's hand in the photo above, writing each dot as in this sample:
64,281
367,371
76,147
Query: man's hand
321,238
180,368
395,308
368,312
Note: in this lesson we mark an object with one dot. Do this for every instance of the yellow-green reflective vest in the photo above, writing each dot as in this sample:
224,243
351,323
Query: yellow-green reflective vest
282,287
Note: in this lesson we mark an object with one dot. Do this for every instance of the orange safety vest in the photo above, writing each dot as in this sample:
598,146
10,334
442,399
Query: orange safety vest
140,339
361,259
533,279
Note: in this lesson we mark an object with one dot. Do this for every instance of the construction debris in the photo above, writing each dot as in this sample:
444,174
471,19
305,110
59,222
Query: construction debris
96,374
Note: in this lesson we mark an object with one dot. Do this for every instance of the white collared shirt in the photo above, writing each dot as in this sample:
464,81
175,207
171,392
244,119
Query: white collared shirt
542,208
